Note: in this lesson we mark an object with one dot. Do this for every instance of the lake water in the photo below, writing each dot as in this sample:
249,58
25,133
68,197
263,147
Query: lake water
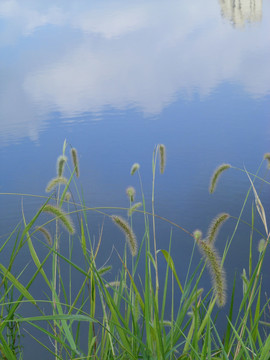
117,78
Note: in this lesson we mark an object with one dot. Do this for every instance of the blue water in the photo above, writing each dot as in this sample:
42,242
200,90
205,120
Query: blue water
117,78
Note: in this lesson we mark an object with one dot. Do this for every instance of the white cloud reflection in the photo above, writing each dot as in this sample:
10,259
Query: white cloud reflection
122,55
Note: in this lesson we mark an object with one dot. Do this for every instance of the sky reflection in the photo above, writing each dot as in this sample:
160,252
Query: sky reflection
74,58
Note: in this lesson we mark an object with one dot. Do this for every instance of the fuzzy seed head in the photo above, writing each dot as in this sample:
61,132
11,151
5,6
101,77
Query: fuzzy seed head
217,274
130,236
67,196
216,176
75,161
215,226
134,168
267,157
62,216
113,284
130,191
61,161
162,158
261,245
197,235
60,180
134,207
45,233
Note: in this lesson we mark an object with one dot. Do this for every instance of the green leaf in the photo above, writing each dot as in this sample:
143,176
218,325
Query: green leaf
169,260
17,284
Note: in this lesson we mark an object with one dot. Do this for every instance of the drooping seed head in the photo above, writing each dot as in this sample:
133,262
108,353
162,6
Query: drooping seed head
62,216
45,233
261,245
134,168
60,180
61,161
67,196
130,191
130,236
213,263
215,226
75,161
216,176
162,157
113,284
267,157
134,207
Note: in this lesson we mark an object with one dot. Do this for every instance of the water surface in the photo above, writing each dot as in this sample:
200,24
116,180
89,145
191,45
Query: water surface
115,79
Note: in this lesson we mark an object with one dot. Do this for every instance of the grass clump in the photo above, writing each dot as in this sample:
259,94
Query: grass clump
123,314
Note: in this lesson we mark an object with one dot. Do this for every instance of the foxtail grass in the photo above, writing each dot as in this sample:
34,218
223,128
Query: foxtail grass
133,208
261,245
56,181
267,157
135,167
162,158
130,191
216,176
75,161
130,236
215,226
118,313
61,215
61,161
45,233
213,262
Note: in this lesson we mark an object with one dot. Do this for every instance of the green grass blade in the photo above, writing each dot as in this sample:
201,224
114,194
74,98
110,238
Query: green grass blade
169,260
17,284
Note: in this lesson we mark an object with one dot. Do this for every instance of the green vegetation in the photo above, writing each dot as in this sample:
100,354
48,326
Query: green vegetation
127,318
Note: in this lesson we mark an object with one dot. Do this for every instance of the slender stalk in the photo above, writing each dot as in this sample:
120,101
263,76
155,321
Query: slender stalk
154,161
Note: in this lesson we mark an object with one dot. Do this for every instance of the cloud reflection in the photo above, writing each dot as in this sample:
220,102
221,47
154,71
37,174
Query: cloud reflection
122,55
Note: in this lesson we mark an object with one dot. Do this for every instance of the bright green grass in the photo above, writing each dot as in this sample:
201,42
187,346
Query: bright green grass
134,323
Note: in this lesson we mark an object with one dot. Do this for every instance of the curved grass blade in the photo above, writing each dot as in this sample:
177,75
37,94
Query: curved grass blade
170,262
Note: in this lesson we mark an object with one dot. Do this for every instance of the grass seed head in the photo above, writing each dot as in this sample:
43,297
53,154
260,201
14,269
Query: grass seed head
267,157
75,161
130,236
217,274
61,161
215,226
162,158
197,235
60,180
67,196
261,245
45,233
130,191
62,216
134,207
134,168
216,176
